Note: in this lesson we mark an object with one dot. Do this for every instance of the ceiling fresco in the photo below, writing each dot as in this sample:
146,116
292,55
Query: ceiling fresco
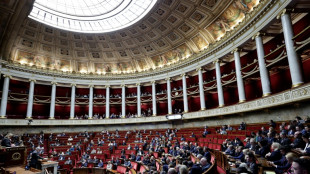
172,32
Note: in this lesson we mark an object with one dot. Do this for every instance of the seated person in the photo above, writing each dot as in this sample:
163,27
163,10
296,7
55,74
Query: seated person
69,161
239,154
281,166
301,165
275,155
306,150
230,150
250,166
109,166
205,165
100,164
84,163
62,157
127,163
263,148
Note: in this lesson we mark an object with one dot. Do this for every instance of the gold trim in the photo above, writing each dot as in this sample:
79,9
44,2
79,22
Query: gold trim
266,95
71,118
154,115
185,112
242,101
28,118
297,85
220,106
2,117
51,118
202,109
90,118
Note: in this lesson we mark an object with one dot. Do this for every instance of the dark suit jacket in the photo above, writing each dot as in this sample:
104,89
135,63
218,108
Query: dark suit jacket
6,142
275,156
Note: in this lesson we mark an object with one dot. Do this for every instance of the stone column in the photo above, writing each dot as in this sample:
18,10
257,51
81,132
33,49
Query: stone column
185,100
91,100
201,90
264,74
123,101
138,100
241,91
154,98
107,102
220,93
30,99
4,99
293,59
53,100
169,96
72,106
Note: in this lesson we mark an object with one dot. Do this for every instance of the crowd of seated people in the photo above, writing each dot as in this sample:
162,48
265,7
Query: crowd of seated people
280,145
86,116
173,149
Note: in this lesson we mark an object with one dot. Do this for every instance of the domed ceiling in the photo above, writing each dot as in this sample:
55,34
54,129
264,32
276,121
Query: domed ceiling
174,30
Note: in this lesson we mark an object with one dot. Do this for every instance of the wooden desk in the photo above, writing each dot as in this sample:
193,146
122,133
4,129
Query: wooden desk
48,164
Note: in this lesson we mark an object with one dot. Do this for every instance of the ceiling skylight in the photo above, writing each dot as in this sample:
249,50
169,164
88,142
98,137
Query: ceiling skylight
90,16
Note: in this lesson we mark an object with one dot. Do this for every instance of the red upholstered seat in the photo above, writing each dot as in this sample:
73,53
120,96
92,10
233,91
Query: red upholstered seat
121,169
90,165
142,169
134,165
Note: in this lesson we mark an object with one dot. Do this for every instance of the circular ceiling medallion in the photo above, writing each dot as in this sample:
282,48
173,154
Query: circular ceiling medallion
90,16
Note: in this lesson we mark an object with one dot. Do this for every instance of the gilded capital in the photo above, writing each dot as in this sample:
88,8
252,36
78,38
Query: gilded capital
32,80
183,75
168,78
217,61
198,69
235,50
54,83
153,82
283,12
73,84
138,84
90,86
5,75
258,34
123,85
107,86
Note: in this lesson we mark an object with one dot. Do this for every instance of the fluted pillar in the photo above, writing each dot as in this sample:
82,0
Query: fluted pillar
30,99
4,99
53,100
201,90
123,101
138,100
169,96
91,100
107,102
154,98
264,74
240,84
293,59
220,93
184,87
72,105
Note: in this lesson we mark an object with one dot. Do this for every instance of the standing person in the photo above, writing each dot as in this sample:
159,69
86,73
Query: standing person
34,161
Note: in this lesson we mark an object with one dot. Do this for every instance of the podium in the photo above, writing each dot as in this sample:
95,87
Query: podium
49,164
13,156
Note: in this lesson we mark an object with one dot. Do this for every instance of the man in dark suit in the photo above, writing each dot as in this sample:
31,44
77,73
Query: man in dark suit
34,161
6,141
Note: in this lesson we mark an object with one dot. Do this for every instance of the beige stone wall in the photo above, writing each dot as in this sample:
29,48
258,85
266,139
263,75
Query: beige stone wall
287,112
